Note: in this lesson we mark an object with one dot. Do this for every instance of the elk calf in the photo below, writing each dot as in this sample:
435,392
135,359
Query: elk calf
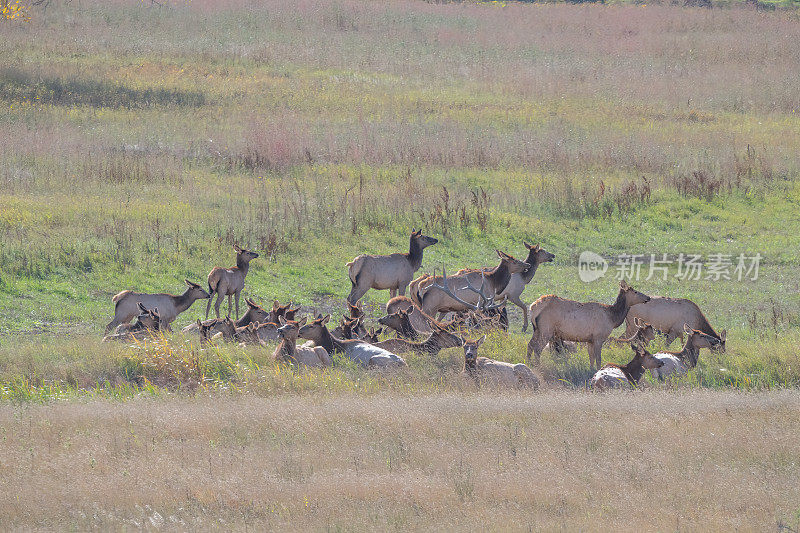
229,281
614,376
393,271
169,305
147,322
484,370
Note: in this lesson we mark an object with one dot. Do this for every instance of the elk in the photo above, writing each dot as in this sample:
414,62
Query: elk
421,322
393,271
643,333
669,315
613,375
288,352
147,322
229,281
513,291
400,321
169,305
485,370
437,297
592,322
253,333
362,352
215,328
357,326
255,315
437,341
676,362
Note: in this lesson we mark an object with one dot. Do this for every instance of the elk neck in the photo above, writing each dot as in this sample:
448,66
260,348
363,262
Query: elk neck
414,254
619,309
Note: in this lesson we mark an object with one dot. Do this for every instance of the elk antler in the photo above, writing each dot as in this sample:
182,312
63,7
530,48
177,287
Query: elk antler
487,303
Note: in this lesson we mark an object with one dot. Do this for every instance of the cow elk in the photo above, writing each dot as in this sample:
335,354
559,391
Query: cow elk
357,350
393,271
615,376
147,322
669,315
288,352
169,305
592,322
677,362
487,371
229,281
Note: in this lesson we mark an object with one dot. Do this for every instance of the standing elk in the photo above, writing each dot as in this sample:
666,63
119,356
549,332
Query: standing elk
147,322
485,370
288,352
592,322
676,362
393,271
435,296
613,375
229,281
362,352
169,305
669,315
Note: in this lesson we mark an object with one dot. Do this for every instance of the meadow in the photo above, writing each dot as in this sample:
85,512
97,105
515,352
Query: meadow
139,141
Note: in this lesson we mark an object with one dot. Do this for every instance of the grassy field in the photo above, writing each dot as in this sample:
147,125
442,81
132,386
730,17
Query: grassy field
138,143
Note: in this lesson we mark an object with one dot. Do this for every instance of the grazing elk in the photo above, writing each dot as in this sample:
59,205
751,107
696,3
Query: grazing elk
485,370
437,341
676,362
569,320
669,315
147,322
169,305
288,352
393,271
435,296
229,281
362,352
613,375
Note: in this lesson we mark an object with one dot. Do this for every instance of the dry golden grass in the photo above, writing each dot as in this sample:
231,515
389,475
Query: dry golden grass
510,461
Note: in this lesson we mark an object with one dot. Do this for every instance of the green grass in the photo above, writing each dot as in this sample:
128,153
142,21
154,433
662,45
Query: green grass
140,143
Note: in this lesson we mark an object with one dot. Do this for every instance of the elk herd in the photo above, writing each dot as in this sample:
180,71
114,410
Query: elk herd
441,311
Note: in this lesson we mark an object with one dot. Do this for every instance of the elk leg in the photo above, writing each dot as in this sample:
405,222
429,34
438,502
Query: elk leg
236,297
671,336
208,305
518,302
595,349
230,306
392,293
218,303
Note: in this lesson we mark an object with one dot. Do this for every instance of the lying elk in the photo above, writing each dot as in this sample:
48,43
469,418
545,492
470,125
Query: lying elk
288,352
438,297
613,375
362,352
485,370
643,333
393,271
569,320
356,319
226,329
669,315
676,362
170,306
421,322
400,321
255,315
147,322
229,281
513,291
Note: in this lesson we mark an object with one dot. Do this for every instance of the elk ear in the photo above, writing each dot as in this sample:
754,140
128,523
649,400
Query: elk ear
189,283
237,248
462,340
154,312
624,285
141,307
281,321
199,324
723,334
480,341
251,326
638,322
379,331
301,322
528,246
325,319
687,329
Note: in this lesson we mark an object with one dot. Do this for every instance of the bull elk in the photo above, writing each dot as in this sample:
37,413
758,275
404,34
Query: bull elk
169,305
569,320
439,297
229,281
393,271
485,370
669,315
